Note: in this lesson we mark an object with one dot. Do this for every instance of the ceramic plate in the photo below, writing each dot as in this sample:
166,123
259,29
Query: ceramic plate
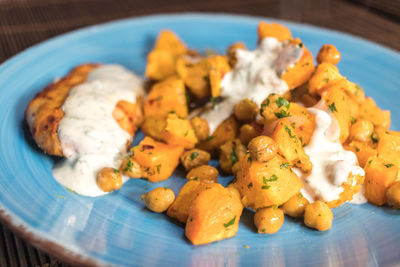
116,229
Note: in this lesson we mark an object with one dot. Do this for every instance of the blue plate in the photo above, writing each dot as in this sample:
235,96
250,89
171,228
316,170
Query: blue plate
117,229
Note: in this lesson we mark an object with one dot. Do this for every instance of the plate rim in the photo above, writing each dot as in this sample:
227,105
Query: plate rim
39,238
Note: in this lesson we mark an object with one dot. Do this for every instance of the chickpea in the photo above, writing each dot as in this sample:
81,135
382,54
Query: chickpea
109,179
318,215
201,128
194,158
393,195
295,206
131,168
274,107
245,110
262,148
269,220
361,130
248,132
204,173
230,154
159,199
328,53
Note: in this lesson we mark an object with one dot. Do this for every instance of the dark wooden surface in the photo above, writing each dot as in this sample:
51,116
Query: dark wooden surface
24,23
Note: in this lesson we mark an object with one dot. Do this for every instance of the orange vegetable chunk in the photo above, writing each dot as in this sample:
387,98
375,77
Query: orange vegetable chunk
157,160
380,174
179,132
213,215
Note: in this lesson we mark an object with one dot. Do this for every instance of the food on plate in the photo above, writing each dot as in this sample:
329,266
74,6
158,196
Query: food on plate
318,215
299,138
89,118
269,220
159,199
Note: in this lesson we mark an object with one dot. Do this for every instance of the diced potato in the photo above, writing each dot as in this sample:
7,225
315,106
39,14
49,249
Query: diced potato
325,74
179,132
263,184
290,145
180,208
362,150
161,61
389,147
166,97
301,71
276,30
380,174
370,111
226,131
157,160
213,215
337,103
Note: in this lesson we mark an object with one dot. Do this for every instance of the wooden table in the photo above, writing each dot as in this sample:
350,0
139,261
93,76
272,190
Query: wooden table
24,23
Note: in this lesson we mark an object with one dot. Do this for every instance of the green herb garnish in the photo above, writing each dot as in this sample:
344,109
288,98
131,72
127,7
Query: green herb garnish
231,222
194,155
332,107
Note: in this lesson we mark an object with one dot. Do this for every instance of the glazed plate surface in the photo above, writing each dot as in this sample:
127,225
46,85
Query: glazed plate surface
116,229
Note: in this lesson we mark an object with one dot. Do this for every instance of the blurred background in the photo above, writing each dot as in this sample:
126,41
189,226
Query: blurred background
24,23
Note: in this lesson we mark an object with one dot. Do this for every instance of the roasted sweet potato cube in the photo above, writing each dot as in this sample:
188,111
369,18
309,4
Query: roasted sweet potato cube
166,97
153,126
263,184
157,160
280,32
180,208
226,131
302,121
195,76
218,66
179,132
389,147
370,111
162,59
362,150
300,72
380,174
325,74
290,146
213,215
337,102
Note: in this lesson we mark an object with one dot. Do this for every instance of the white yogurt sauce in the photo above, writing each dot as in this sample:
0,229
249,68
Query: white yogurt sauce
90,137
255,76
332,164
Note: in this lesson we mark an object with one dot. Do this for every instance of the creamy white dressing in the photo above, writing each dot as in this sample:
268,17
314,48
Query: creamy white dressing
332,164
90,137
255,76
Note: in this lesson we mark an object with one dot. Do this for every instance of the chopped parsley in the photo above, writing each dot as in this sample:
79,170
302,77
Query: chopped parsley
231,222
158,168
186,133
196,178
213,102
208,139
389,165
263,230
273,178
352,120
282,114
116,171
326,80
300,195
194,155
250,185
374,139
332,107
233,157
282,102
284,165
129,166
289,132
300,45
